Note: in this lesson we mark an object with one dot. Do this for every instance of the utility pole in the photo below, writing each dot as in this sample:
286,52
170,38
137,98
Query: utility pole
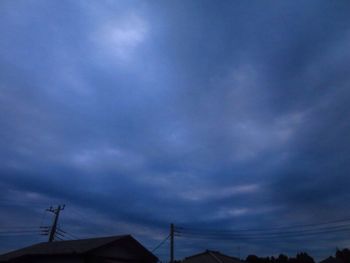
56,212
172,243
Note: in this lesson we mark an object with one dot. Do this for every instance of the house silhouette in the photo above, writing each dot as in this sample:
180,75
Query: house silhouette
113,249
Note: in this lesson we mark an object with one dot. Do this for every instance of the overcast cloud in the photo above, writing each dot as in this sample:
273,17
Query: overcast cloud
137,114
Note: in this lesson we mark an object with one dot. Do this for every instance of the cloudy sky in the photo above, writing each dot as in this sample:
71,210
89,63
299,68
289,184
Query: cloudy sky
208,114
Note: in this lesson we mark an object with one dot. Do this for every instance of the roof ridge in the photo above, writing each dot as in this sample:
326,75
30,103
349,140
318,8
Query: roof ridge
79,246
84,239
227,256
195,255
68,244
211,253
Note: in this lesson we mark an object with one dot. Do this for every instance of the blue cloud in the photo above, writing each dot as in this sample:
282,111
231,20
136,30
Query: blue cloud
199,113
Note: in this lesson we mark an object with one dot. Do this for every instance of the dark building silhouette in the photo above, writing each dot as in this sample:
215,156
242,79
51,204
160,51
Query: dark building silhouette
209,256
332,260
114,249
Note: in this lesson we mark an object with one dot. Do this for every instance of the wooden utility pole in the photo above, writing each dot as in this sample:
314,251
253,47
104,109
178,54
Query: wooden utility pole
171,243
56,212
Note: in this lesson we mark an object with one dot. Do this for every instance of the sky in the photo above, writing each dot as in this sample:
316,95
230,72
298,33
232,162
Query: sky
223,115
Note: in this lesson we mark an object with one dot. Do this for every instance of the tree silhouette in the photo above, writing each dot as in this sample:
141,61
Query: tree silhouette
304,258
252,259
282,259
300,258
343,255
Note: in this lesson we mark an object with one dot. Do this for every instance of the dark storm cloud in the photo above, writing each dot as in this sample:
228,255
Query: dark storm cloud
199,113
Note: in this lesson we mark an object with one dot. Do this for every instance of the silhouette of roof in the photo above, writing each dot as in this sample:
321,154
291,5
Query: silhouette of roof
73,247
209,256
332,260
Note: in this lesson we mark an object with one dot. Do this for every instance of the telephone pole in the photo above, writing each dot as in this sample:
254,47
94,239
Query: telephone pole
56,212
172,243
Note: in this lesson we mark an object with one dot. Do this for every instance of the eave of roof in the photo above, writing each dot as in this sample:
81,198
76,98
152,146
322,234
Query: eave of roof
70,247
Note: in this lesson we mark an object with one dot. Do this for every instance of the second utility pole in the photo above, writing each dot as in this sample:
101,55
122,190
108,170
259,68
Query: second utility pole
171,243
56,212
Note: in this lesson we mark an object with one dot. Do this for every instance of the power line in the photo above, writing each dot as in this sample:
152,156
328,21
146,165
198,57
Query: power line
43,218
18,234
85,219
160,244
58,233
18,227
18,231
60,239
261,241
67,233
72,236
291,233
261,237
266,233
266,229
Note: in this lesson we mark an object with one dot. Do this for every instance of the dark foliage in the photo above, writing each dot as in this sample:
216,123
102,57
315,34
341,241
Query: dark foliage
300,258
343,255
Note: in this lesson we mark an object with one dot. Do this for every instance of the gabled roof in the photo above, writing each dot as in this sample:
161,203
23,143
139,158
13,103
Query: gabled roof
71,247
211,257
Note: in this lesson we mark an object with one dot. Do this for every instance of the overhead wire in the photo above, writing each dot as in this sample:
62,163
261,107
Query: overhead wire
59,238
18,231
271,233
266,229
160,244
17,227
295,232
85,219
19,234
65,232
260,237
